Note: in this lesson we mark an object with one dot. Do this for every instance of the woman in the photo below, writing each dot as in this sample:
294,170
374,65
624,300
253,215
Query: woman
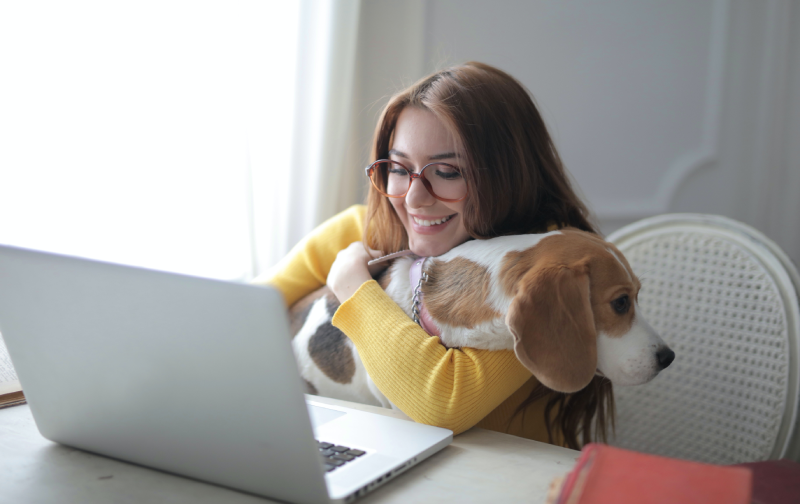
491,169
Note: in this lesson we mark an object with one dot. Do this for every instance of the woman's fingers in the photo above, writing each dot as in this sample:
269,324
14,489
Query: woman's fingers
349,271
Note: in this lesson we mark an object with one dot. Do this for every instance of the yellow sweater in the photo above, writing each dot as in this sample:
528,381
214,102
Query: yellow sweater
452,388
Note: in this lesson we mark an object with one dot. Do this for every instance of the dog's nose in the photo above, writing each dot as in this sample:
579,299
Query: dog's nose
665,356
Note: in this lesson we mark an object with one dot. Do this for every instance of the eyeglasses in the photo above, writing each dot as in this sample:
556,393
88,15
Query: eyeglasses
442,180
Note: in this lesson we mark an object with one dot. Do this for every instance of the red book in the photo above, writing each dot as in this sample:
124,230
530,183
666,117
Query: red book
775,481
608,475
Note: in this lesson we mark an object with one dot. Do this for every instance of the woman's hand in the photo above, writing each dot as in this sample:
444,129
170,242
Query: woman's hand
350,270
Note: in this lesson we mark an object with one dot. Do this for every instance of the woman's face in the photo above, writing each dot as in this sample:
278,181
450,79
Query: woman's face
419,139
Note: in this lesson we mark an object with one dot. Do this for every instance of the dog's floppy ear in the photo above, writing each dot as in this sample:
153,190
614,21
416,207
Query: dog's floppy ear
553,326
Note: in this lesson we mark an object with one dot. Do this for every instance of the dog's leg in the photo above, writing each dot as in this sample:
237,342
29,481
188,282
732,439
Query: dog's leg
326,358
376,393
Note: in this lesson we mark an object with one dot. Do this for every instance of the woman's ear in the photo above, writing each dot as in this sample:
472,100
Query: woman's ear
553,326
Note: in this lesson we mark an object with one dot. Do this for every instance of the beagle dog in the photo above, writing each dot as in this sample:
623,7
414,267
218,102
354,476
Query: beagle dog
564,301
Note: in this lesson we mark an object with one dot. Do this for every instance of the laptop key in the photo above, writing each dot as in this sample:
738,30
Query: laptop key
334,456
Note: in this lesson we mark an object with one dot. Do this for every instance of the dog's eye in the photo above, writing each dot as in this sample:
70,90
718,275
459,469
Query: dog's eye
622,304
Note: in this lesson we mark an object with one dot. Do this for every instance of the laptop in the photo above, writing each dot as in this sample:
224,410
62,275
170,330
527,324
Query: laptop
188,375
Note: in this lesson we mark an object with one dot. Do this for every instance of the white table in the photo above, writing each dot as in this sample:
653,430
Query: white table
479,466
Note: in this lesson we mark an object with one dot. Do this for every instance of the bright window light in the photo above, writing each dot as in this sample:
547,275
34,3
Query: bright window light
125,127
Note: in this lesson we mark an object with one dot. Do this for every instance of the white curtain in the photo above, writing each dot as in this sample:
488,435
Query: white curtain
200,137
130,131
320,180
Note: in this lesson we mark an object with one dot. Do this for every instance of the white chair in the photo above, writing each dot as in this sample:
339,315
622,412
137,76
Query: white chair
725,298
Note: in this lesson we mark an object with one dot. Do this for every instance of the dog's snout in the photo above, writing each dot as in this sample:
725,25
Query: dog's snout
664,356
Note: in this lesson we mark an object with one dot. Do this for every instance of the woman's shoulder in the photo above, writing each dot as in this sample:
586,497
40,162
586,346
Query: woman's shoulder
351,218
346,226
357,211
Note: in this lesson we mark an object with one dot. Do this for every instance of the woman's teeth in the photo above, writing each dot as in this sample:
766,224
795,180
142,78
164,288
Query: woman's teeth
431,222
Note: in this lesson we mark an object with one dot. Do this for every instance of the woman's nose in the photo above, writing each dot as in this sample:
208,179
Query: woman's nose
418,195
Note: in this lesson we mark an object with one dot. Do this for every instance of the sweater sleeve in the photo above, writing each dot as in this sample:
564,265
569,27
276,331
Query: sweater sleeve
451,388
306,267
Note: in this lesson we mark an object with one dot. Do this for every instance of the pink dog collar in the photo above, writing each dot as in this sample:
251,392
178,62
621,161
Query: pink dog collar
415,276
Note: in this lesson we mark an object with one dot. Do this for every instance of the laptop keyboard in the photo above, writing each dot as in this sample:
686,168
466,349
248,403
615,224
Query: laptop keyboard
335,456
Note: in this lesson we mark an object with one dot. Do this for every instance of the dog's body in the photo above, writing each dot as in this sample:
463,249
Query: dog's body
564,301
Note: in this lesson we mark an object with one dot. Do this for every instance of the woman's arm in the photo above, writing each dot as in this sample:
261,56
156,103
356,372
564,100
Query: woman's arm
451,388
306,267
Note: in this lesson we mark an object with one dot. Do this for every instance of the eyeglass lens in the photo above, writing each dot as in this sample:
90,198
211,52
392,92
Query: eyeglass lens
445,181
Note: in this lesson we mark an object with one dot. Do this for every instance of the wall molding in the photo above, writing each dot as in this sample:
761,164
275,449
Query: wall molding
706,154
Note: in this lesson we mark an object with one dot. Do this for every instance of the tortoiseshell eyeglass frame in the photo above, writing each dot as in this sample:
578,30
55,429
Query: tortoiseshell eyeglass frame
411,176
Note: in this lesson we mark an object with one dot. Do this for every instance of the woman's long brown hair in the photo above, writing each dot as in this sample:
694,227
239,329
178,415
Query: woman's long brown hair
516,182
573,413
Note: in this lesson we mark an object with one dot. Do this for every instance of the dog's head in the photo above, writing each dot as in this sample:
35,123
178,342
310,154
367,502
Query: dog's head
574,313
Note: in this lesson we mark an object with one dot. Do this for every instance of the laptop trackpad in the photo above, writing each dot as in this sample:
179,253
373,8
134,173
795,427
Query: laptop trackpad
320,415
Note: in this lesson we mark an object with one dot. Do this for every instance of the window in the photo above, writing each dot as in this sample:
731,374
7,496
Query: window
126,128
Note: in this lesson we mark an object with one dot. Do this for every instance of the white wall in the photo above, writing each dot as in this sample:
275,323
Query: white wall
657,106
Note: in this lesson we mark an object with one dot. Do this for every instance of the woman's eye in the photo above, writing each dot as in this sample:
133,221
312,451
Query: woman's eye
448,173
398,171
622,304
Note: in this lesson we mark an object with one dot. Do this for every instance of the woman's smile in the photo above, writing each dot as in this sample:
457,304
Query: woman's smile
428,224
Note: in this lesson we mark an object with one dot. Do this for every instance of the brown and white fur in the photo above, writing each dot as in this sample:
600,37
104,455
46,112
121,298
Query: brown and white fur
557,299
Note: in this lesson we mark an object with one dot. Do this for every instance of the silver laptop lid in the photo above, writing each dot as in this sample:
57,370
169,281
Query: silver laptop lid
118,360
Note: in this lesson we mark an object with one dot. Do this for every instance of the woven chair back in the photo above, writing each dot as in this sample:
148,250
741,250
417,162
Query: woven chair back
724,297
